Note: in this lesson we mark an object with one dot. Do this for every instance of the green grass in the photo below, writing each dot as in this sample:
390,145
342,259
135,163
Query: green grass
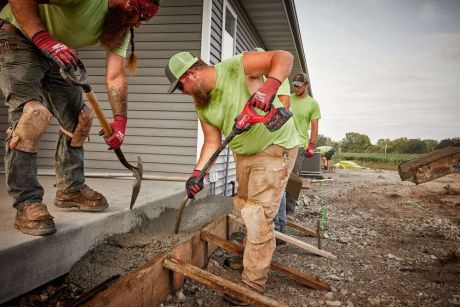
375,160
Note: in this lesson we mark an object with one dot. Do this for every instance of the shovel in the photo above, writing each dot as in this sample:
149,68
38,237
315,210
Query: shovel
83,83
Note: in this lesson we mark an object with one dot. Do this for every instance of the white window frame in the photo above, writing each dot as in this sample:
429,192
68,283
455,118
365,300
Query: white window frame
228,6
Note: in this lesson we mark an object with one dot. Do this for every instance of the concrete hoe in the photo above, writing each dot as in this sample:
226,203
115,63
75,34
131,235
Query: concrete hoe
273,120
83,83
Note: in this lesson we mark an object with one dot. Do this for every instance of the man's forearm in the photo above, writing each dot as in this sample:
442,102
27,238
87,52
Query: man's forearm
118,97
27,14
207,151
281,65
314,132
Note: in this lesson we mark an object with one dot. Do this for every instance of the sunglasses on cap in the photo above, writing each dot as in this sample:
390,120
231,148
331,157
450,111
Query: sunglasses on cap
146,9
180,85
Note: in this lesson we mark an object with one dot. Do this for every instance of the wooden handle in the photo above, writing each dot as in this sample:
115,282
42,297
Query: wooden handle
99,114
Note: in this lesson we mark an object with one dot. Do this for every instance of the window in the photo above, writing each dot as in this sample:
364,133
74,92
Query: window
229,32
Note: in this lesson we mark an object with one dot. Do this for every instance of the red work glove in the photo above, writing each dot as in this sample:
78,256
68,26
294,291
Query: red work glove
64,56
264,96
118,132
194,184
310,150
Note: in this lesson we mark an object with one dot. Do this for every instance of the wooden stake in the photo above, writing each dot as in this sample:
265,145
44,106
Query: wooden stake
307,231
305,246
318,232
322,180
310,281
218,283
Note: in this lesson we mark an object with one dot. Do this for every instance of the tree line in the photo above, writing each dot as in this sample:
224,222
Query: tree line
357,142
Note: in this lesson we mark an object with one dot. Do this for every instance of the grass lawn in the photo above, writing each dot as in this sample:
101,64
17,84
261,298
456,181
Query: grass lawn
375,160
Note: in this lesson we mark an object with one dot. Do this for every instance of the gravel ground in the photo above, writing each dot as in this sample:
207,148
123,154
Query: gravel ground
397,244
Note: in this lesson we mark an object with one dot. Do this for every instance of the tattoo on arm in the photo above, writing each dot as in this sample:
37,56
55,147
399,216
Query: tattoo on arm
118,97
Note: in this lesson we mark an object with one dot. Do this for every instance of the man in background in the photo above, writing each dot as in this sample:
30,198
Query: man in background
306,114
326,155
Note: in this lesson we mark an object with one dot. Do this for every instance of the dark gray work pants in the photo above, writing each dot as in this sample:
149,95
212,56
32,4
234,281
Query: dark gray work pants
25,75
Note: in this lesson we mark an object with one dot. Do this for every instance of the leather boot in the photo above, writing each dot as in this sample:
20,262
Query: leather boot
34,219
85,199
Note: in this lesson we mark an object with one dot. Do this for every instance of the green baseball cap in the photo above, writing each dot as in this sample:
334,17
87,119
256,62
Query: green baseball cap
177,65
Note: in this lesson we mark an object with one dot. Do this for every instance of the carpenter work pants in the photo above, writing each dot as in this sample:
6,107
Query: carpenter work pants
262,179
25,75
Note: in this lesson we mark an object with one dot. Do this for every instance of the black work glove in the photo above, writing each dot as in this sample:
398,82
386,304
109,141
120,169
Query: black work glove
194,184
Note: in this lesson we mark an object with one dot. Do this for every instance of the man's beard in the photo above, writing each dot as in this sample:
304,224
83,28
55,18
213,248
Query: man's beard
201,97
116,24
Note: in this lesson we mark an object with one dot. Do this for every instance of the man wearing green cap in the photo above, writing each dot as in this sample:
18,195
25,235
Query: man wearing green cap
263,159
306,113
326,155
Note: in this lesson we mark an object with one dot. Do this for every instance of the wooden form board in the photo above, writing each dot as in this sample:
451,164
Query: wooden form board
150,284
216,282
303,245
303,278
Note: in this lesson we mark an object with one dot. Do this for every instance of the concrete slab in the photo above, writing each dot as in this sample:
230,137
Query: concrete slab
27,262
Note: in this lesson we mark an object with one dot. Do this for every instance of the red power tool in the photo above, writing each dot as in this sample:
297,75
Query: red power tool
273,120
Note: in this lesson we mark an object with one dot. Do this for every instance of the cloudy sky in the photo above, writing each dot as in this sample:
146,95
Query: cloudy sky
385,68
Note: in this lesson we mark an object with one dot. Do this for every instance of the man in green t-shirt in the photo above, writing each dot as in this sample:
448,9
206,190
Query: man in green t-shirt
37,39
264,159
306,113
326,155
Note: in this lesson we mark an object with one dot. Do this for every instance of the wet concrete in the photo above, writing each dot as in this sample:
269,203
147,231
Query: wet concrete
27,262
123,253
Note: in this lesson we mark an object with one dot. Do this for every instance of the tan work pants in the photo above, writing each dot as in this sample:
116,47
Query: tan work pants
262,179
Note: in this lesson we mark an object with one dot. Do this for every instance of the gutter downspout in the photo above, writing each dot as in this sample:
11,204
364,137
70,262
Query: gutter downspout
291,13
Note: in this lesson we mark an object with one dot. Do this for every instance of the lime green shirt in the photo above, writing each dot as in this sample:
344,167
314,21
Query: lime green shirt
304,110
76,23
285,89
324,149
227,101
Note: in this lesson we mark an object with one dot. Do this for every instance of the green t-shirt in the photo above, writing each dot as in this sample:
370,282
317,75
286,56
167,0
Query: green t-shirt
304,110
324,149
76,23
285,89
227,101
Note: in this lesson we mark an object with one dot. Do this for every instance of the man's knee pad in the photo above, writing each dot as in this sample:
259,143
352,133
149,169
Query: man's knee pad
34,120
81,132
257,226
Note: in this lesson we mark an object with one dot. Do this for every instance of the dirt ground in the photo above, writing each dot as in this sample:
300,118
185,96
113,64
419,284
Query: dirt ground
397,244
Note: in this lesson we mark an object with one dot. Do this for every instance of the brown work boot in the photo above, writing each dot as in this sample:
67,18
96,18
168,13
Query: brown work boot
34,219
239,301
85,199
234,262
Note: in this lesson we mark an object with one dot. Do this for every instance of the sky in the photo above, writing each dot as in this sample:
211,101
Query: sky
384,68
